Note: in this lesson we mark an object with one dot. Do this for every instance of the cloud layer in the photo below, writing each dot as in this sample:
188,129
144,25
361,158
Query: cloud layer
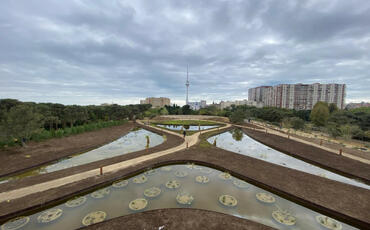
92,52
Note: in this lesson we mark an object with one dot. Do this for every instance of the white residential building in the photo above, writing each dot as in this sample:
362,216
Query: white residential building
299,96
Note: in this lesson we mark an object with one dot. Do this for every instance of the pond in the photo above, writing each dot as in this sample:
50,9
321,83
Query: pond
238,142
188,127
133,141
178,186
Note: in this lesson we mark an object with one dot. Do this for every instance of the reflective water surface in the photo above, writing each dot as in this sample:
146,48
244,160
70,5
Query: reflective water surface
178,186
188,127
238,142
131,142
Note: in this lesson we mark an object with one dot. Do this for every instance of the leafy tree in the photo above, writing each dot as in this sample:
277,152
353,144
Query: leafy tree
163,111
320,113
334,129
22,121
237,117
186,110
297,123
332,108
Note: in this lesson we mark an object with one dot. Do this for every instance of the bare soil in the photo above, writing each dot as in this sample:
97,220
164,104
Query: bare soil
340,201
311,154
37,153
179,219
172,141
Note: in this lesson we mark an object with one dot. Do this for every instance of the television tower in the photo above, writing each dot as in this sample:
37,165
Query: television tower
187,84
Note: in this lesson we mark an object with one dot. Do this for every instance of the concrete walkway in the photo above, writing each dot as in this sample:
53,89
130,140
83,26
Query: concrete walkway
272,131
18,193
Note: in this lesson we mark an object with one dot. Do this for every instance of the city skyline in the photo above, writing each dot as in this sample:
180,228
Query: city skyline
82,52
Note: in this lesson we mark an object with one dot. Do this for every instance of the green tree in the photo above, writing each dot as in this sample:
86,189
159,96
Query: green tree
297,123
22,121
333,108
237,117
320,113
334,129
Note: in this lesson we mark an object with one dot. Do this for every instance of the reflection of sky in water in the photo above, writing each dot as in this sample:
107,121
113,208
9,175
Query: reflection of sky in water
206,196
191,127
132,142
249,147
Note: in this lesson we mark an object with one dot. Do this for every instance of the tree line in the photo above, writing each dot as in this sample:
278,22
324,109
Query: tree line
22,121
354,123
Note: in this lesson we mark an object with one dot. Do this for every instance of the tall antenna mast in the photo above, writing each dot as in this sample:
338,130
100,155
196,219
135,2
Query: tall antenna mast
187,84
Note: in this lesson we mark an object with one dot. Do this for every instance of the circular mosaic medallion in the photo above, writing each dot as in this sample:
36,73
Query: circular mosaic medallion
240,183
181,174
173,184
94,217
152,192
138,204
206,170
100,193
283,217
50,215
166,168
265,198
75,202
184,199
150,172
202,179
140,179
328,223
120,184
228,200
224,176
15,223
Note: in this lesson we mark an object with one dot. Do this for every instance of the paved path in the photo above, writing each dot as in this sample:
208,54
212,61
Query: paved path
18,193
272,131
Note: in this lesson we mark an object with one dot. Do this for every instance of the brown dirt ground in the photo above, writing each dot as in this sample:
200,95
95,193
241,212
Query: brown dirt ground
328,197
331,145
179,219
172,141
336,146
57,148
322,158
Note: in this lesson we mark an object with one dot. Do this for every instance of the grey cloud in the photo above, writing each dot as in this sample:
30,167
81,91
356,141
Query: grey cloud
93,52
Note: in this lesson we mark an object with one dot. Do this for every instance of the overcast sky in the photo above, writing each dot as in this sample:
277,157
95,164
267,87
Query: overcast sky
93,52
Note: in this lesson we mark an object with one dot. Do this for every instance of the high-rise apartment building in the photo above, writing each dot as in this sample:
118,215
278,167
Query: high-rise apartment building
156,102
299,96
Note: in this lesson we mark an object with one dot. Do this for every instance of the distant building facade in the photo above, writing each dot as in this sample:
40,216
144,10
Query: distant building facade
357,105
156,102
299,96
225,104
197,105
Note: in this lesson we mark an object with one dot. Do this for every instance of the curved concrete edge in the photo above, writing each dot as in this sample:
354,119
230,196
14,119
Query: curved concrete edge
180,219
74,189
286,135
21,192
83,150
28,181
325,164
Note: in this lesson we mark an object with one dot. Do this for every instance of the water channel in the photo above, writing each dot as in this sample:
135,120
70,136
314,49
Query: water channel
238,142
188,127
133,141
177,186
